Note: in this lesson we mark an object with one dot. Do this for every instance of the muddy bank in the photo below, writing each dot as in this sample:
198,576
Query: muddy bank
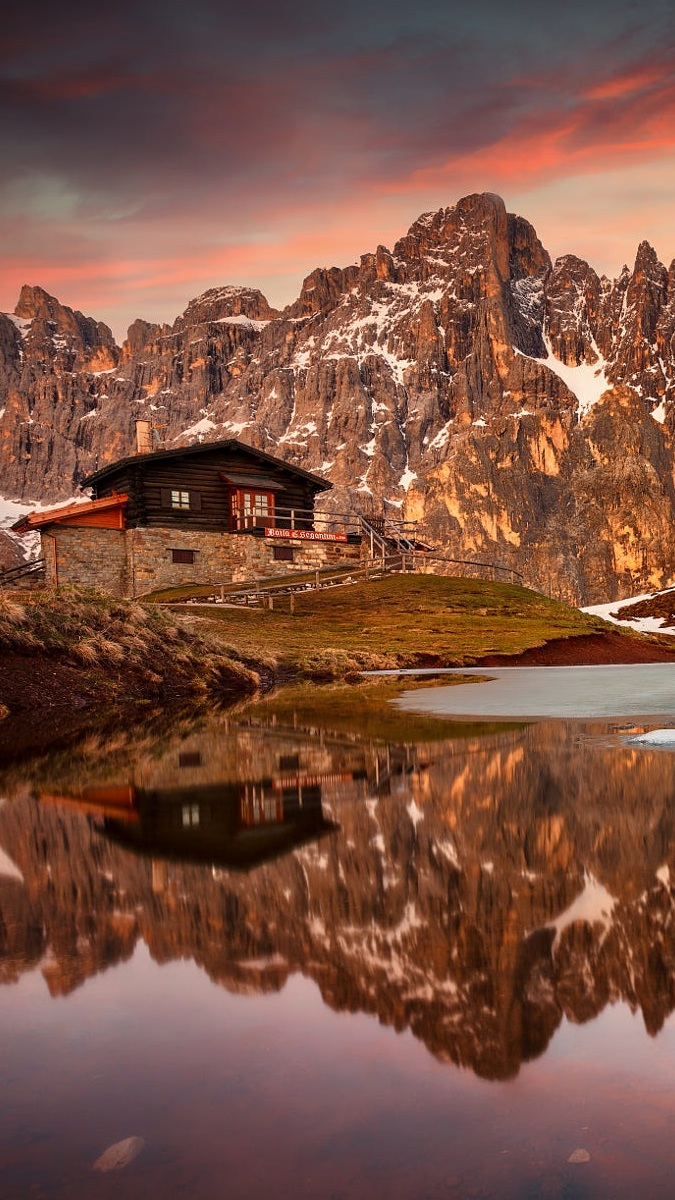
592,649
46,703
79,659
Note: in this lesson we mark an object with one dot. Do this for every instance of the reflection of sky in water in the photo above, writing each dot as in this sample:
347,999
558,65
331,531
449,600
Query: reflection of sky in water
569,692
406,1007
279,1095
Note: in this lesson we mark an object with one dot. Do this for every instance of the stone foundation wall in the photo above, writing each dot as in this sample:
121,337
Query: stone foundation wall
131,562
221,557
86,556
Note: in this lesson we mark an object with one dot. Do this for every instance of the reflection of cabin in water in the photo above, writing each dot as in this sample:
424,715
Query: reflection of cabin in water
234,824
207,513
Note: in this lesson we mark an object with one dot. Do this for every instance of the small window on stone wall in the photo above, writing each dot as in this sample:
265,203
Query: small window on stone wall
190,758
183,556
282,553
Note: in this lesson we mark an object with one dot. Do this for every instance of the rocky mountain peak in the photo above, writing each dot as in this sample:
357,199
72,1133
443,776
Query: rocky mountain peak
35,301
462,379
64,335
226,303
647,260
323,290
572,307
473,216
141,334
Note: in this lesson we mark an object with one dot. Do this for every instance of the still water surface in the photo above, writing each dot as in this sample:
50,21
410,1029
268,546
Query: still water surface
310,965
575,692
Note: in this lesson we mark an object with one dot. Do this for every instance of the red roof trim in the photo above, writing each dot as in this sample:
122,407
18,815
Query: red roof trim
52,516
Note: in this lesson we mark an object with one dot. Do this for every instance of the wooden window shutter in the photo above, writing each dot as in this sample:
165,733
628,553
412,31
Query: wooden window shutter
166,497
195,501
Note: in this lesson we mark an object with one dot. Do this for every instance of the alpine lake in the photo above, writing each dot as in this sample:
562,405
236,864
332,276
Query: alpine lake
335,945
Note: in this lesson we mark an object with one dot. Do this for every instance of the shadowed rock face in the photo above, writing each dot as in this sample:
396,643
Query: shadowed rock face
10,552
520,409
477,891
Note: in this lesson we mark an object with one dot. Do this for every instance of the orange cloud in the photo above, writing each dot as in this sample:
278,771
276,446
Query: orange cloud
627,83
590,138
233,227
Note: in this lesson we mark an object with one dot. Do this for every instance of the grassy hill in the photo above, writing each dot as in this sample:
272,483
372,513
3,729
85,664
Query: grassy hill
401,620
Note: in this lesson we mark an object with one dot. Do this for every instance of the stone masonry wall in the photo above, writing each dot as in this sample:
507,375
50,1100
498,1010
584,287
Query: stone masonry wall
48,552
221,557
132,562
91,557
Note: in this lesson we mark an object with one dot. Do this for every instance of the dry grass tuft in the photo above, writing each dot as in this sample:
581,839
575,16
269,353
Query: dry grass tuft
148,647
11,613
86,651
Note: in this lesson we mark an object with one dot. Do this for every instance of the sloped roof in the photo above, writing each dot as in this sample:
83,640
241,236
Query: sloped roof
204,448
51,516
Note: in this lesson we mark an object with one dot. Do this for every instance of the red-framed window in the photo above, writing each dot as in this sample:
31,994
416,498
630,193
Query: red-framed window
252,509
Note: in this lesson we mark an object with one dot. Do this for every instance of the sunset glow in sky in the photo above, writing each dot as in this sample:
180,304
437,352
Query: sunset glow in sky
150,151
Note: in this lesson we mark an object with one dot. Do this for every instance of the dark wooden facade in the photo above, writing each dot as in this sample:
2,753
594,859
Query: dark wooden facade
218,486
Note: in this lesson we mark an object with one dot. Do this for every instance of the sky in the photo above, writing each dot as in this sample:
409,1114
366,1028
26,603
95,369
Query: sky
152,150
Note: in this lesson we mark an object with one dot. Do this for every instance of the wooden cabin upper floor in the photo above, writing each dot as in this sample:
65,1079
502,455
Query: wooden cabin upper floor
218,486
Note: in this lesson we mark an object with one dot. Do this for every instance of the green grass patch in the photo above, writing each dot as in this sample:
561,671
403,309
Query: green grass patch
402,620
364,710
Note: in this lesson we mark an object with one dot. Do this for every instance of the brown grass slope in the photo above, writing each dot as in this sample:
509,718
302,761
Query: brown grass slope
418,621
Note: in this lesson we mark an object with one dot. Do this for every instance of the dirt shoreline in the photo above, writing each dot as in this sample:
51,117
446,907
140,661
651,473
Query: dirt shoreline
586,650
51,703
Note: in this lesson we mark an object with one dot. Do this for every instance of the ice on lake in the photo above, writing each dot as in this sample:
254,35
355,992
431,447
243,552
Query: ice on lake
585,693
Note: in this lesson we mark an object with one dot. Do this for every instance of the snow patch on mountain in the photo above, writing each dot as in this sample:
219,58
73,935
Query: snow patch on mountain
587,381
201,427
240,319
641,624
23,324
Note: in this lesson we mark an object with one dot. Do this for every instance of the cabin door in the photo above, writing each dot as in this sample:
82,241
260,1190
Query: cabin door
252,509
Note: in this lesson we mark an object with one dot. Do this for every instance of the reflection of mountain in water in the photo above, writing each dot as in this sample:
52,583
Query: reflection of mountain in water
476,891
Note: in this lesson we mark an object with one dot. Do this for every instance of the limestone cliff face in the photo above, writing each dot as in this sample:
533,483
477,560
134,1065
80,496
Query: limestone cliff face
521,410
476,894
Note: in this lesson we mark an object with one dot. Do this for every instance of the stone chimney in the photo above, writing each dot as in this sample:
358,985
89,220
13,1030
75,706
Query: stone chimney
143,437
